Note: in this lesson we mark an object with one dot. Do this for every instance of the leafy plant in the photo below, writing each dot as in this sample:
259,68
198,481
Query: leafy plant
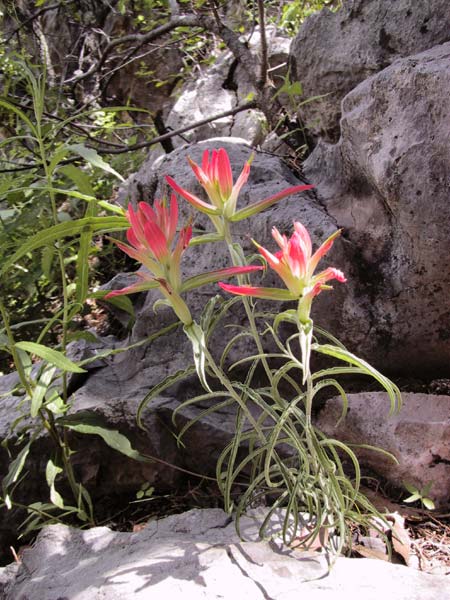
420,495
51,240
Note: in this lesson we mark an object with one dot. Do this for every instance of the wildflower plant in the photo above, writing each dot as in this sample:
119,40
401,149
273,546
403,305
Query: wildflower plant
276,453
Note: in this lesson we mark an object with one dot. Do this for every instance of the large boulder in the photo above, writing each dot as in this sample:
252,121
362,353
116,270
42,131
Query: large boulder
198,555
386,182
223,86
335,51
418,437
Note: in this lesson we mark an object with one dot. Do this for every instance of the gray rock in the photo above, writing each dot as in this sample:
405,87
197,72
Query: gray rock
222,87
387,183
419,437
333,52
198,555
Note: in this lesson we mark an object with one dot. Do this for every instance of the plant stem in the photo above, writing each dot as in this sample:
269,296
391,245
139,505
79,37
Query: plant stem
246,302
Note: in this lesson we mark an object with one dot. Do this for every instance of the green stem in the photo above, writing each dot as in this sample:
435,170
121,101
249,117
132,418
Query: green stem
226,383
47,421
12,346
246,302
60,255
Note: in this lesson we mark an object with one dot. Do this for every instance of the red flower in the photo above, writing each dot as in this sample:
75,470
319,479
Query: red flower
295,264
216,178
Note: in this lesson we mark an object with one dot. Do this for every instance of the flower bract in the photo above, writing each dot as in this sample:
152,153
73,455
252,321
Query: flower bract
295,263
216,178
152,242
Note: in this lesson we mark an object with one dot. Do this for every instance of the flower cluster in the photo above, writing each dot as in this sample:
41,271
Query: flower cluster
295,264
151,237
153,232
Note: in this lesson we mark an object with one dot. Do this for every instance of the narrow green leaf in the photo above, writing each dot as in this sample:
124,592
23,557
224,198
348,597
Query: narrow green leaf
206,238
79,178
346,356
257,207
287,316
20,114
93,158
52,356
16,467
122,302
160,387
51,472
208,277
409,487
428,503
197,338
25,362
412,498
71,228
59,155
82,268
40,390
82,335
111,437
48,253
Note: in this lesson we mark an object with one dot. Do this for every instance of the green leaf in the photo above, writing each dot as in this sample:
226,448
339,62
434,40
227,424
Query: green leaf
40,390
48,252
122,302
346,356
59,155
426,488
206,238
79,178
82,335
208,278
93,158
409,487
257,207
428,503
54,403
88,424
82,268
56,232
52,356
197,338
412,498
51,472
287,316
160,387
13,108
16,467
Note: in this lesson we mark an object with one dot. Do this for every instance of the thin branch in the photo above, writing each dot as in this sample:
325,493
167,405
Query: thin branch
231,39
264,53
152,142
140,38
35,15
170,134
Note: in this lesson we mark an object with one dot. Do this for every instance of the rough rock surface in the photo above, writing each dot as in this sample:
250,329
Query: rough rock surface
333,52
222,87
198,555
387,184
419,437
